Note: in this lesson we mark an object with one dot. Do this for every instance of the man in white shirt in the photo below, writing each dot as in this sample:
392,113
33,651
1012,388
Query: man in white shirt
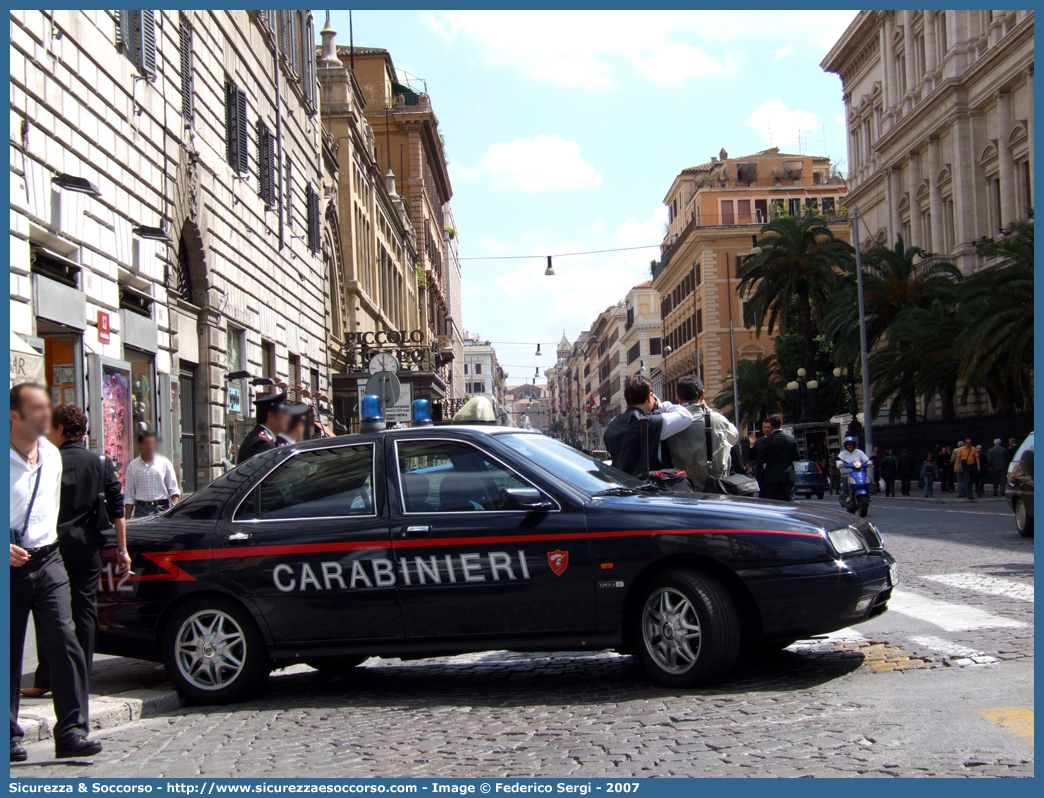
151,484
39,583
851,453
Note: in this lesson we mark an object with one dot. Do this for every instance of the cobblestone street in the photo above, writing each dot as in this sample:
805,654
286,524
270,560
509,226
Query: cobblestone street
937,686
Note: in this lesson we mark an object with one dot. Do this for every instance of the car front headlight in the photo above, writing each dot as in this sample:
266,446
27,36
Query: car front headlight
845,540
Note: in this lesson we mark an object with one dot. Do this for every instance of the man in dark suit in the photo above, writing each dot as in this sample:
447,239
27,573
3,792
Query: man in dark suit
907,471
272,417
776,456
85,475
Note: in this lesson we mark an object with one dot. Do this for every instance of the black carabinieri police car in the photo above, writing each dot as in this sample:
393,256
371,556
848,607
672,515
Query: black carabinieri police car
444,540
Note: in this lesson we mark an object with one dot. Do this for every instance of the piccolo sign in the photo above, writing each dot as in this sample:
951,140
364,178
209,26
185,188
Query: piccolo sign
409,346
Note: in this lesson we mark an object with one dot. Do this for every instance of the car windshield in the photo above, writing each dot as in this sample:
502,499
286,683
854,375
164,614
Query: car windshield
586,473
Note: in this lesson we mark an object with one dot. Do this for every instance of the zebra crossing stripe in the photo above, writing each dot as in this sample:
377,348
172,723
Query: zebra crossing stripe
990,585
947,615
953,650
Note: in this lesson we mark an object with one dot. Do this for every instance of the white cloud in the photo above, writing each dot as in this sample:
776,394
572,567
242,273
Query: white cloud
778,125
783,52
601,50
636,233
546,163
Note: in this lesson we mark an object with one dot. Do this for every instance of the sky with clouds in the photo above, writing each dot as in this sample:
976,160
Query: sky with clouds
564,130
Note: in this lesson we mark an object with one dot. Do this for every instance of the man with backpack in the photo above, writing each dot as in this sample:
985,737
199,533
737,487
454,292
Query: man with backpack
623,436
689,447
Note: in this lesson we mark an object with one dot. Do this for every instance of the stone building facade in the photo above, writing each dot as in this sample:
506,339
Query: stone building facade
167,186
641,342
939,107
528,406
716,211
483,374
408,143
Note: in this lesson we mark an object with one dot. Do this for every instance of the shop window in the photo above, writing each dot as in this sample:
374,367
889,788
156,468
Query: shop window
143,390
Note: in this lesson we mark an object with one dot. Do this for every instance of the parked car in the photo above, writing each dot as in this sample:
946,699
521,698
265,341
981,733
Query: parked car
1020,487
448,540
809,479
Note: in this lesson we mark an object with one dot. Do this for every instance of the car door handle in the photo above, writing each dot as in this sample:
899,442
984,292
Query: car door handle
417,532
238,539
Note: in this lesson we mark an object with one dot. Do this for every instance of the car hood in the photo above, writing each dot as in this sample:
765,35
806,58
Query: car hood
732,510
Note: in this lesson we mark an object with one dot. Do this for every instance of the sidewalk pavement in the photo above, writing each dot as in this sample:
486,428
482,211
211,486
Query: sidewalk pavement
122,690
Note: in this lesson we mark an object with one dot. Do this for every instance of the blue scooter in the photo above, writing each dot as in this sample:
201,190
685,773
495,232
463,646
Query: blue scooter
858,481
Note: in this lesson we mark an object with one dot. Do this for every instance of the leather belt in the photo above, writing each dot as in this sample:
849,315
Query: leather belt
43,551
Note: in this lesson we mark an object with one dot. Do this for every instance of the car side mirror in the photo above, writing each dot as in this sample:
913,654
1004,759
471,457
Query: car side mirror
529,499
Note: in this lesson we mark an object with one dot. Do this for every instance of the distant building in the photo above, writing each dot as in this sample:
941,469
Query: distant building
528,406
640,342
716,210
483,375
939,112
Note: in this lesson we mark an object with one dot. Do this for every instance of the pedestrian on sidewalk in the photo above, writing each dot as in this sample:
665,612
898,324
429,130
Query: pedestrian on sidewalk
835,475
1013,448
888,472
984,472
945,469
907,470
623,434
776,457
152,485
91,502
688,448
929,470
39,583
997,459
968,460
958,472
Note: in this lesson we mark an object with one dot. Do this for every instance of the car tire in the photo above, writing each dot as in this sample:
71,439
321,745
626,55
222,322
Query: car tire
864,505
820,495
676,609
1023,520
214,652
336,665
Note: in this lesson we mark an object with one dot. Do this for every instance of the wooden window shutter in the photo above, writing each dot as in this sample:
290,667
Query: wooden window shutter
289,195
125,32
284,33
147,58
308,77
242,159
313,220
295,42
236,127
187,78
264,164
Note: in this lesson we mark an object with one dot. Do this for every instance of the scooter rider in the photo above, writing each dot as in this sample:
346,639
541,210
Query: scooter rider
850,454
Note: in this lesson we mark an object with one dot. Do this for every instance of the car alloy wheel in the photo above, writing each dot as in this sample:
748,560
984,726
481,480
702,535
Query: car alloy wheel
671,630
685,627
211,650
1022,519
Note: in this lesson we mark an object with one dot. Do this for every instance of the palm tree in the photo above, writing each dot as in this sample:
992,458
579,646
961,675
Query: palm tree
800,263
760,389
997,305
894,280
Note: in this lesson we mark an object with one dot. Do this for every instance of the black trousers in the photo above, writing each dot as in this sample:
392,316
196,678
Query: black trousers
780,491
84,566
41,586
905,487
889,486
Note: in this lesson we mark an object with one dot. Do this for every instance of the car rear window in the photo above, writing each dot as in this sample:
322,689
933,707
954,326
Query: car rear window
315,483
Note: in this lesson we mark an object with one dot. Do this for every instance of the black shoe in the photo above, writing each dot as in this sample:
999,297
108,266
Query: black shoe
77,747
18,754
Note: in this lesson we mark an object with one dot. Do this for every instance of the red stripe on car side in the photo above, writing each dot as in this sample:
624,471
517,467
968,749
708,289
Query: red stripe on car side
168,560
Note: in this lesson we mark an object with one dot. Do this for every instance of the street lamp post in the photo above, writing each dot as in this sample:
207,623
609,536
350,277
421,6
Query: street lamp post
868,423
803,388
